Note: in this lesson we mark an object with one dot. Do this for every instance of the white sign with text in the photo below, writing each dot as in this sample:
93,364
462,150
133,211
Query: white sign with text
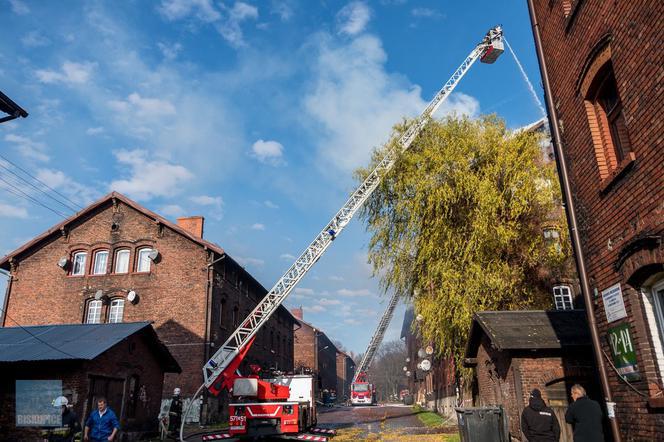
614,306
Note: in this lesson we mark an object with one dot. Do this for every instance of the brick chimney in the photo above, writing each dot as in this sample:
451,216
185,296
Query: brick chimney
193,225
297,312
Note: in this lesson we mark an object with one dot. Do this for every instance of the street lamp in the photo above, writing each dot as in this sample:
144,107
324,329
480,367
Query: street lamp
12,109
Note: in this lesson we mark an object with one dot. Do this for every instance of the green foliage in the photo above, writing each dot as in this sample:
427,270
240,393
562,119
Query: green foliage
457,224
428,418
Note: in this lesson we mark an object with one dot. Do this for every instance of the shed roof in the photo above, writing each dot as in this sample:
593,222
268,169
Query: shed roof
529,330
75,342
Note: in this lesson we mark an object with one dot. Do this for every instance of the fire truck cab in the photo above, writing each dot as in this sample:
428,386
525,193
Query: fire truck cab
269,407
362,393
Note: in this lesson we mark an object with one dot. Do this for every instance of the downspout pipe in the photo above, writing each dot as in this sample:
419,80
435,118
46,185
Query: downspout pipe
568,203
5,302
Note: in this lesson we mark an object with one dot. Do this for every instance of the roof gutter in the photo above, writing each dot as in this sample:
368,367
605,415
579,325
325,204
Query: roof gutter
568,202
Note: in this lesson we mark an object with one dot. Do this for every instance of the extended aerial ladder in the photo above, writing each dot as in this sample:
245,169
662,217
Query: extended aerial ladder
220,371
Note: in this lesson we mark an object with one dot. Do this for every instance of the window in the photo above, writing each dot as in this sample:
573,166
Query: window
101,259
143,264
93,315
236,315
133,396
606,117
562,296
658,300
552,236
116,311
653,303
78,267
122,261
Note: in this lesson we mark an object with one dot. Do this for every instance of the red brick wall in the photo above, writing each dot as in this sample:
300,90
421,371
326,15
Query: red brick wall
612,217
305,347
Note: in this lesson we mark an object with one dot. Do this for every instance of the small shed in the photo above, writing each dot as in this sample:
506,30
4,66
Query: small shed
123,362
514,352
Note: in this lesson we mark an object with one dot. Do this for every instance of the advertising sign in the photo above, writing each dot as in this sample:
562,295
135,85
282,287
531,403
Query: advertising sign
623,352
614,306
34,403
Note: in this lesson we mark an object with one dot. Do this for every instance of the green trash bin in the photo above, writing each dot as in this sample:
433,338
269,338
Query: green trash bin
483,424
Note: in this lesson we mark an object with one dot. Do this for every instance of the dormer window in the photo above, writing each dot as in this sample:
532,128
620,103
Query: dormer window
78,264
100,263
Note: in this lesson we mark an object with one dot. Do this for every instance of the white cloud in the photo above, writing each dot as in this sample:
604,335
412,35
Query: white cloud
283,9
70,73
169,51
349,292
94,130
32,150
287,257
258,226
303,291
149,178
10,211
352,321
425,13
336,278
268,152
216,204
256,262
354,101
172,210
230,27
144,107
19,7
353,18
177,9
314,309
270,205
35,39
82,194
326,301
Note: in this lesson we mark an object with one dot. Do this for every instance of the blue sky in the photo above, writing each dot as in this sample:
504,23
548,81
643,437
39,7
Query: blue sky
253,114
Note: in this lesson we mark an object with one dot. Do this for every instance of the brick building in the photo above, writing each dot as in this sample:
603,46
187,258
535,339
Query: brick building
116,261
125,363
345,373
315,352
514,352
606,78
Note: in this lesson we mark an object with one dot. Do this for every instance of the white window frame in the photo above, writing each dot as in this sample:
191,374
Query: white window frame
653,302
116,268
563,297
143,259
116,311
81,270
98,254
95,308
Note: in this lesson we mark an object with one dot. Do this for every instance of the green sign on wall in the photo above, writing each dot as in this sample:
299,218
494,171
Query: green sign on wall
623,352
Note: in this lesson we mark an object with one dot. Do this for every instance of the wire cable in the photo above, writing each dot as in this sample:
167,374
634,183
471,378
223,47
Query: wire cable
20,193
37,337
37,188
40,181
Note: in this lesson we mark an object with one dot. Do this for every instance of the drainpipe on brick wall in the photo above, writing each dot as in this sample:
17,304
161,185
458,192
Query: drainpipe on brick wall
568,202
5,302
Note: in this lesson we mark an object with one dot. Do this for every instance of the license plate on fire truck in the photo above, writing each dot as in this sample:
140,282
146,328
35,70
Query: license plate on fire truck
238,422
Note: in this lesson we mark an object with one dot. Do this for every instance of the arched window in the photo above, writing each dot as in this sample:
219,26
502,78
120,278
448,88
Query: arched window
562,296
93,314
143,262
100,262
78,263
122,261
116,310
236,316
222,310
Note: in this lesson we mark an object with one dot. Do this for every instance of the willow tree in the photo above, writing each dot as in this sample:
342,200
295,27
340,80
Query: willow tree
458,224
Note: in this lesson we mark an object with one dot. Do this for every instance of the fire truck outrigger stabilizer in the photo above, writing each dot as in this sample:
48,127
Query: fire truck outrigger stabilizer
285,404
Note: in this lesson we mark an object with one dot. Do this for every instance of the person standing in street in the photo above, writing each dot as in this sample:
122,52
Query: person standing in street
102,424
585,416
175,412
538,422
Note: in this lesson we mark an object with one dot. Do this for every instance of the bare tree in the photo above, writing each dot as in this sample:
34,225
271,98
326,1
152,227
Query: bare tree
386,371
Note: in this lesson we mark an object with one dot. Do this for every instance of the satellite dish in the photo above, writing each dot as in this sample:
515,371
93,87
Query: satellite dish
154,254
421,353
132,297
407,359
408,373
99,294
419,366
425,365
62,262
419,318
429,350
405,368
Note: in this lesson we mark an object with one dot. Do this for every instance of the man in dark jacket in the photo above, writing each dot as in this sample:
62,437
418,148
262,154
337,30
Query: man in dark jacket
538,422
585,416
